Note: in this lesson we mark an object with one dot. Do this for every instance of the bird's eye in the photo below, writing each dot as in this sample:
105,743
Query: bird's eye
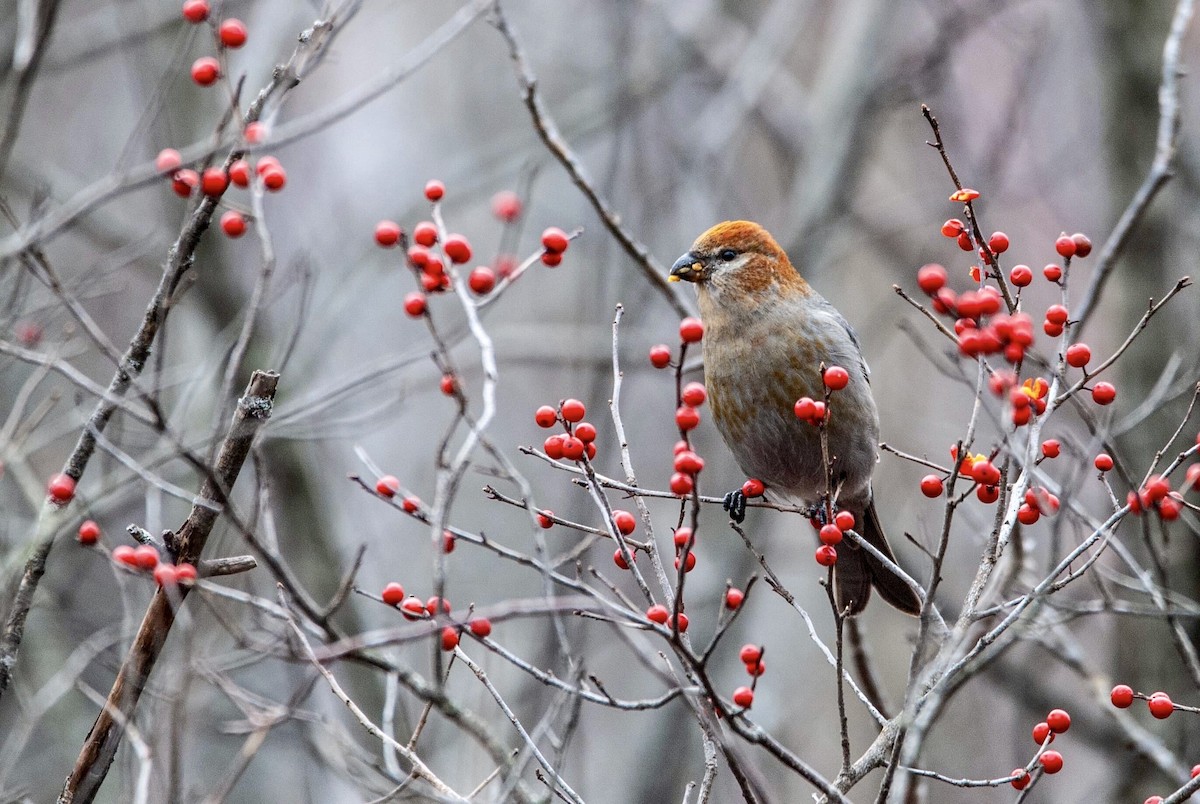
728,255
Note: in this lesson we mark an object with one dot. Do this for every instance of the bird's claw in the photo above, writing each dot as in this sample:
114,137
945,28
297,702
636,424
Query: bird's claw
735,504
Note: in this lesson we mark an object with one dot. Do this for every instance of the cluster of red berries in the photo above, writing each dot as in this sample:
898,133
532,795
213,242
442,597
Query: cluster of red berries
1057,722
231,33
812,410
579,438
685,545
214,181
1159,703
752,657
1158,496
389,486
661,615
687,464
691,330
831,535
413,609
145,558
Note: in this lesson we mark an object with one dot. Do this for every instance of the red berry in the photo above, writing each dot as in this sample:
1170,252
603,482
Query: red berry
387,233
89,532
167,161
1022,779
844,520
573,449
691,330
585,432
686,418
964,241
481,280
414,304
931,278
1192,477
448,542
393,594
620,561
255,132
184,182
1103,393
448,384
387,486
1104,462
1051,447
123,554
753,487
826,555
506,206
1083,245
1078,355
691,562
756,668
1052,761
434,190
425,234
274,178
750,654
987,494
660,356
1021,275
734,598
553,446
830,534
233,223
573,410
434,602
1064,245
1028,515
545,519
449,638
683,536
805,409
545,416
1052,272
932,486
232,32
1058,720
626,522
998,242
213,181
480,626
457,248
552,259
658,613
681,621
1160,705
412,608
681,484
836,378
239,173
985,473
206,70
743,697
694,394
953,228
555,240
166,575
1153,800
1122,696
145,556
1195,771
689,463
195,11
185,572
1041,731
61,488
1057,314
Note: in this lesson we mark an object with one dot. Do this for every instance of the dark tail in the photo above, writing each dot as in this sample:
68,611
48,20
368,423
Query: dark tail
857,570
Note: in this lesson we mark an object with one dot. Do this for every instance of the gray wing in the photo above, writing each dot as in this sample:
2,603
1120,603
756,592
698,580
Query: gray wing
841,321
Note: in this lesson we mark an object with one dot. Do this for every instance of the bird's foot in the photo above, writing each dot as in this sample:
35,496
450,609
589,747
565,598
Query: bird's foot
735,504
817,511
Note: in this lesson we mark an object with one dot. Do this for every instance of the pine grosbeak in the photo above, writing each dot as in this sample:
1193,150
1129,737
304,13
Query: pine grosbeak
767,332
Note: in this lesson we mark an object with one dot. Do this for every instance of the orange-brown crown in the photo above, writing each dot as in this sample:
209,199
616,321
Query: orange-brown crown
768,265
741,236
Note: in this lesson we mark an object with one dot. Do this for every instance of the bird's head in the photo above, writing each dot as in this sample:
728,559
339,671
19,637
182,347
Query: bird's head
738,256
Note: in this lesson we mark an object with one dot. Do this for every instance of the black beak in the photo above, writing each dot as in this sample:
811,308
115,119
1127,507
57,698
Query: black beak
689,267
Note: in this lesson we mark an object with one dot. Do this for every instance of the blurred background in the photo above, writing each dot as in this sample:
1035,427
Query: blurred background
804,116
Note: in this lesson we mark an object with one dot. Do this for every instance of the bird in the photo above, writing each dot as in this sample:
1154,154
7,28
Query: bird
767,334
